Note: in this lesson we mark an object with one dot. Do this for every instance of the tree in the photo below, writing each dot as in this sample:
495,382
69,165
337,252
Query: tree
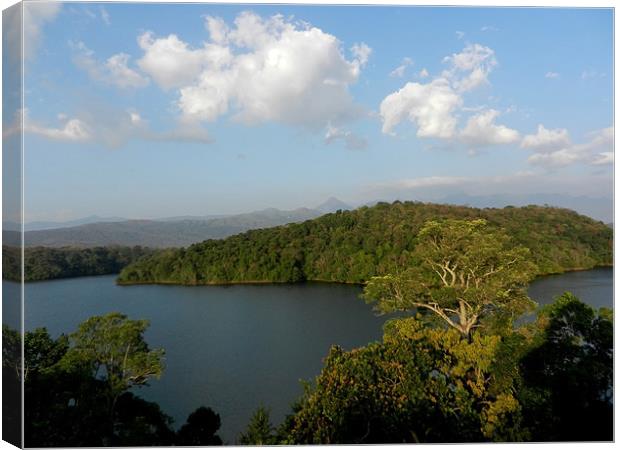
568,373
418,385
112,348
11,385
462,273
259,431
41,351
66,397
200,428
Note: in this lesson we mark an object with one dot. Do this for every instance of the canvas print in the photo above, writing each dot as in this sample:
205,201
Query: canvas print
292,224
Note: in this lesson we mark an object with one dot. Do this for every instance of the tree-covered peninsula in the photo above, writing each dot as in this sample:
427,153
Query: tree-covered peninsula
354,246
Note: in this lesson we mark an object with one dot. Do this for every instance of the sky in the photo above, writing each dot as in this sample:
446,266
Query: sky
158,110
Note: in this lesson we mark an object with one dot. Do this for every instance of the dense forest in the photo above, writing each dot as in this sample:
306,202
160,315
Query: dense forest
81,389
353,246
43,263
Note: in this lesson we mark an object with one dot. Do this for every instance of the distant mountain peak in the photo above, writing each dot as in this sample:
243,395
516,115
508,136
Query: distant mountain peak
332,204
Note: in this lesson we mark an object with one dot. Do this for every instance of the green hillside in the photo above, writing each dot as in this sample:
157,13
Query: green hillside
352,246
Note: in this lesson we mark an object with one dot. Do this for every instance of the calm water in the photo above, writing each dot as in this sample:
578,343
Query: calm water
234,348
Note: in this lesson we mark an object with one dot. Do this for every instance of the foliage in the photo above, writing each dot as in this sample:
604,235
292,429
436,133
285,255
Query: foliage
548,381
353,246
462,272
260,431
70,382
41,351
11,386
111,348
200,428
43,263
569,373
419,385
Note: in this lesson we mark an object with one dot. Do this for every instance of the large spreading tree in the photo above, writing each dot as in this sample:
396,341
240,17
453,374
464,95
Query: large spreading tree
463,273
112,348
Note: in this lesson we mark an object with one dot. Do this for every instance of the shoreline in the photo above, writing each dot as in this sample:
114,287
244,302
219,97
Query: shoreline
264,282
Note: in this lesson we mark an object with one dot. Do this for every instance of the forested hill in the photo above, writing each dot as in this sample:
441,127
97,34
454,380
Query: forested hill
352,246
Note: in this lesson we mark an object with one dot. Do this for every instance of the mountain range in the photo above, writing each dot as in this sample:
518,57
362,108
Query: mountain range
167,232
181,231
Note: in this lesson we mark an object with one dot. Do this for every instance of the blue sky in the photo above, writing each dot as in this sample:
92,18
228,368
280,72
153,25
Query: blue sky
154,110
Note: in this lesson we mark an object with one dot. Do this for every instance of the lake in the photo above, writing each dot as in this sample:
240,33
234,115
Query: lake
234,348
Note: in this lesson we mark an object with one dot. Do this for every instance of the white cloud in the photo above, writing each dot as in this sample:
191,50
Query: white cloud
263,70
423,73
489,28
399,72
114,70
73,130
481,130
432,106
111,128
460,35
471,67
361,52
429,106
173,64
125,126
558,158
546,140
603,158
218,30
552,75
598,150
352,141
121,75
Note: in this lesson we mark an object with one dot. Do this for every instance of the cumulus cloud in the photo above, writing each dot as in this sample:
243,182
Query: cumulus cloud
114,71
552,75
432,106
471,67
259,70
558,158
597,150
481,130
399,72
172,63
351,141
546,140
429,106
361,52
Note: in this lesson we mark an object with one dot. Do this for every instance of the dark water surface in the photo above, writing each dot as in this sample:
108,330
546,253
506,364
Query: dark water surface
234,348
